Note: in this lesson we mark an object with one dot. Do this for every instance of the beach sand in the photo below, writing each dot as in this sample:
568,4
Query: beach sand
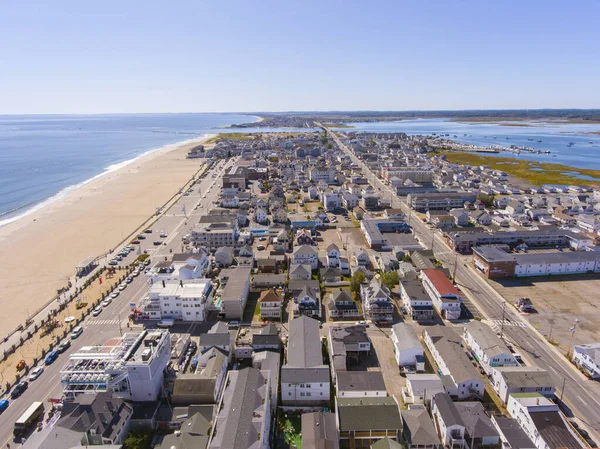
40,251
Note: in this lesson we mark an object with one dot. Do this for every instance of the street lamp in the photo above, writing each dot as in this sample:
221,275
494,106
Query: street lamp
572,329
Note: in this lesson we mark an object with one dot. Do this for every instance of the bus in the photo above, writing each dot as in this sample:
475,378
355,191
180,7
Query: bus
27,419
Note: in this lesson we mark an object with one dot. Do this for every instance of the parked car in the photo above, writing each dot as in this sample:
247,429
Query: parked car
76,332
51,357
19,389
35,373
148,231
167,322
129,280
3,405
363,322
122,286
114,294
97,311
157,243
66,344
113,262
141,237
106,302
163,235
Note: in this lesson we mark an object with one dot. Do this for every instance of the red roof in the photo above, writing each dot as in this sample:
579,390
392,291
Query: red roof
440,282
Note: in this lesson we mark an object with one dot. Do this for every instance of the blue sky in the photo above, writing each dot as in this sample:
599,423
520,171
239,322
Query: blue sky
260,55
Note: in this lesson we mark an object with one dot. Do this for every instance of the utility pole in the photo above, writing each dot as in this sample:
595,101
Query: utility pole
455,266
120,329
503,314
562,390
572,335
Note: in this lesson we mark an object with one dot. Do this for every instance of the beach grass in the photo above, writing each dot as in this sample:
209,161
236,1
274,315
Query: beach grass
536,173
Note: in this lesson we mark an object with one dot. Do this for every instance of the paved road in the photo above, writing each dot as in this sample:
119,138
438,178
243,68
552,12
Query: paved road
113,319
580,395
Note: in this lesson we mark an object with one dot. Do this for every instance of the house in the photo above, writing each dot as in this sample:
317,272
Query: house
442,221
268,280
461,217
417,301
358,212
176,300
461,379
218,337
266,265
224,256
377,302
194,431
507,380
480,217
333,255
332,201
347,344
489,350
307,302
515,207
306,254
330,276
230,201
449,424
304,378
267,339
418,430
235,285
282,240
480,431
245,256
344,266
342,305
361,257
280,215
319,430
407,347
359,384
350,201
94,419
511,433
303,237
445,297
543,422
301,272
204,385
260,216
587,357
420,388
245,404
363,421
270,304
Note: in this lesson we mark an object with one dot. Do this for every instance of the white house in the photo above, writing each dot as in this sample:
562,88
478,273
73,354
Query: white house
300,272
507,380
543,422
177,300
377,302
362,258
587,356
407,347
449,424
305,379
333,255
359,384
306,254
463,380
231,201
260,216
489,350
420,388
445,297
332,201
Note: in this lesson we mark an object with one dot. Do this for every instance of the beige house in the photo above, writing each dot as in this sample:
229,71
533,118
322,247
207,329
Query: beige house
270,304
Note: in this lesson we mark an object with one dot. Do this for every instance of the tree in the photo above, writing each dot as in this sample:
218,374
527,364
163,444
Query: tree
486,199
229,154
390,279
138,440
357,279
329,146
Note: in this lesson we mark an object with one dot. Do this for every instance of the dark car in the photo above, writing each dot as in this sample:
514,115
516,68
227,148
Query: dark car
64,346
51,358
157,243
19,389
148,231
141,237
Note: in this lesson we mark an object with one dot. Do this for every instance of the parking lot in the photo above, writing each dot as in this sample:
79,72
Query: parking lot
559,301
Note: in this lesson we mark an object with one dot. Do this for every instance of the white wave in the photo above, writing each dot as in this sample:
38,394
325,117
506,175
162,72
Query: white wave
64,192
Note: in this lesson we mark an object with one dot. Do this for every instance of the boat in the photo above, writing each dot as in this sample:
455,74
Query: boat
570,144
540,141
531,140
591,142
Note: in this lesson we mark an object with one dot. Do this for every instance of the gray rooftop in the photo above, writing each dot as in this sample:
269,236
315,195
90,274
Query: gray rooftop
304,343
319,431
487,339
421,429
478,423
362,414
513,432
406,336
360,381
448,410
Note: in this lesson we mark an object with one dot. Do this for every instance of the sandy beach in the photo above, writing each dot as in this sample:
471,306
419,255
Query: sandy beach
40,251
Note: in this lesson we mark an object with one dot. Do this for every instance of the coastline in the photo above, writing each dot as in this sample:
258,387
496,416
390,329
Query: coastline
46,243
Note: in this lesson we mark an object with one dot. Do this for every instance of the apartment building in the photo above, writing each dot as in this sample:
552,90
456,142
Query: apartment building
177,300
445,298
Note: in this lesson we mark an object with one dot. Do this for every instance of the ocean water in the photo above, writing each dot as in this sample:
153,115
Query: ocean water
45,157
554,138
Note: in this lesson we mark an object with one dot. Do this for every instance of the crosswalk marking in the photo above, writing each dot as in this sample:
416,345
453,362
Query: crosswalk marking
497,324
101,322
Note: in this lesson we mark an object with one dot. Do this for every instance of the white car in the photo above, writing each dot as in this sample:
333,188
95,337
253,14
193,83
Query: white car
163,235
97,311
107,301
114,294
35,373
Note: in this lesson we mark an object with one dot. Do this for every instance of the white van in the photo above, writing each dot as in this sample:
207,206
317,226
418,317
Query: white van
167,322
76,332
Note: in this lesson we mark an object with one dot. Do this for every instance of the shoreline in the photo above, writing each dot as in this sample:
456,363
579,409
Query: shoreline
35,206
46,244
